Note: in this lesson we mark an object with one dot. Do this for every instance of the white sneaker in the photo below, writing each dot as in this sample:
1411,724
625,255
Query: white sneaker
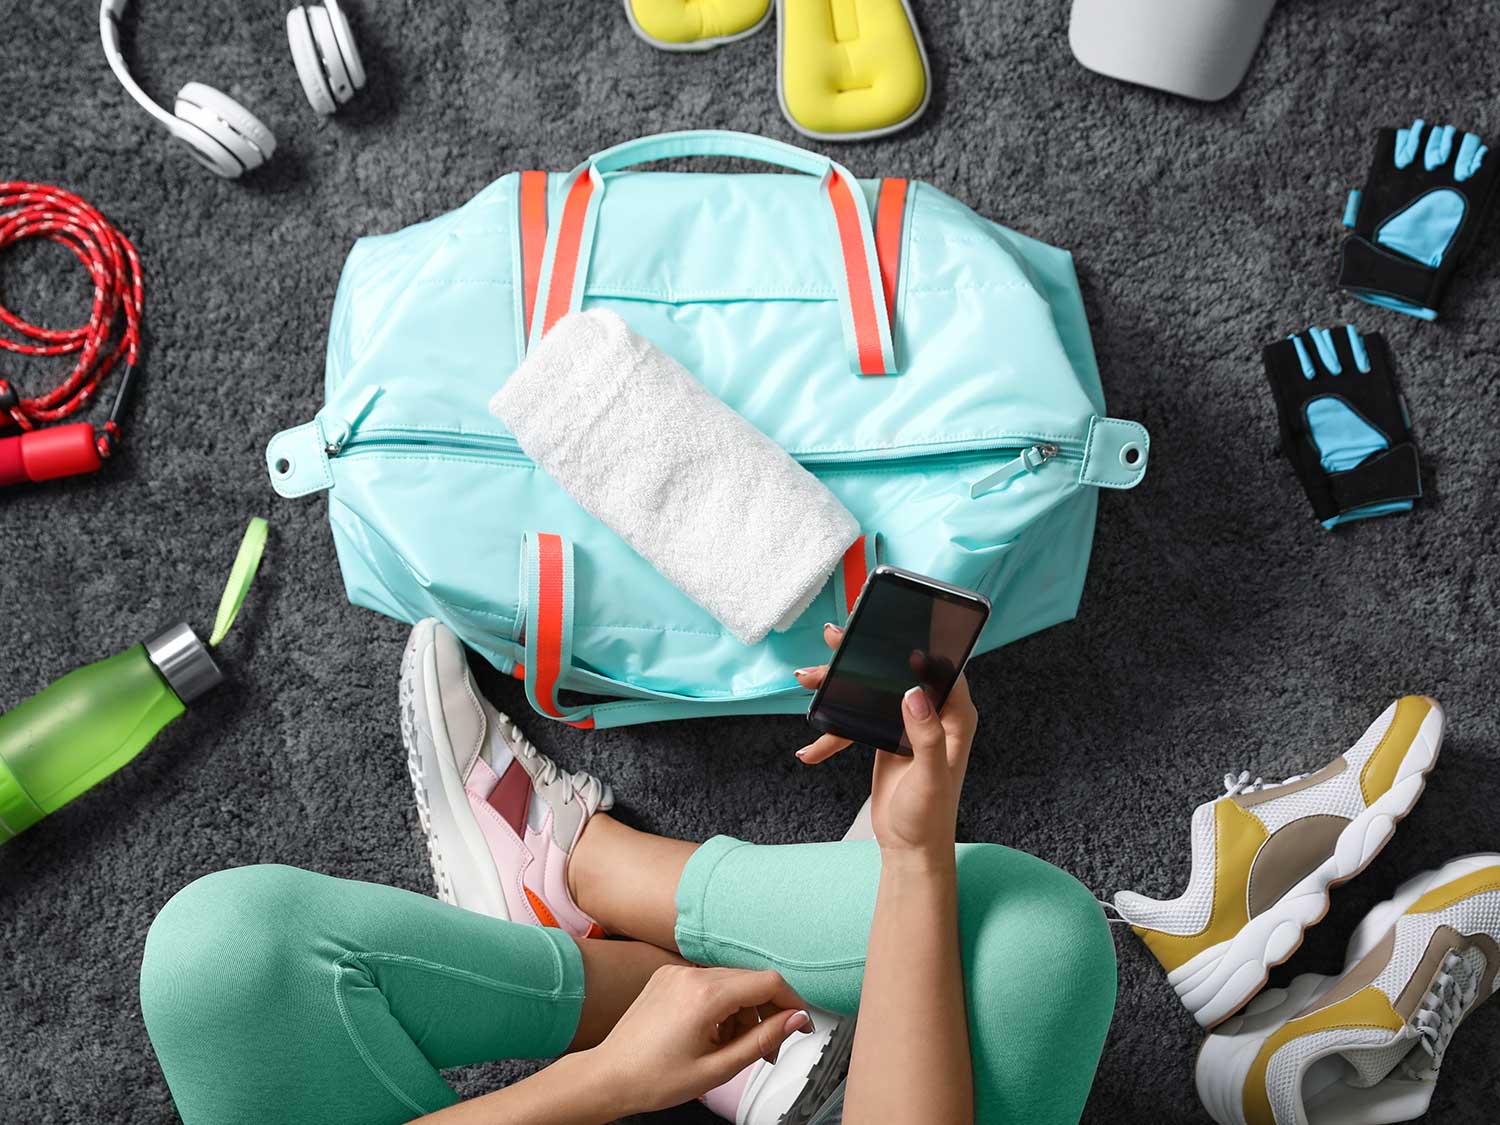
1365,1048
501,818
1266,854
789,1091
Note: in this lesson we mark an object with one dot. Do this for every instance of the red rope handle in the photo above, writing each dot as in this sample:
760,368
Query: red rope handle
41,211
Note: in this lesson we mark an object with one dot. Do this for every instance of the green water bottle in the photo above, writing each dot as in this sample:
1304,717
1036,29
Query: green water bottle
77,731
74,733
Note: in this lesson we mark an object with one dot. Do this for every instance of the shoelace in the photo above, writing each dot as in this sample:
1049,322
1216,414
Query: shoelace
1453,990
579,783
1235,785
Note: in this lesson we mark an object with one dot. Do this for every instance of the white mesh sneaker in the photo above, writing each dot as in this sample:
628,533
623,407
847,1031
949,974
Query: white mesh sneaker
1365,1048
1266,854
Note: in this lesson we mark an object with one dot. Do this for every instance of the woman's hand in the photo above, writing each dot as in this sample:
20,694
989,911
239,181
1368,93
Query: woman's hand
913,800
692,1029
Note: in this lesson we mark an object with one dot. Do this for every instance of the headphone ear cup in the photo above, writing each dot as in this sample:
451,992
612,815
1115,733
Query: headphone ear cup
309,66
207,151
223,120
343,34
328,50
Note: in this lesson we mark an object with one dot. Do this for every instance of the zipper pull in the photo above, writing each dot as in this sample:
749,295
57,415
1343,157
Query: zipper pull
339,433
1028,462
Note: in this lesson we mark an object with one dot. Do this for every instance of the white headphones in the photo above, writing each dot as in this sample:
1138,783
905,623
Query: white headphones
224,136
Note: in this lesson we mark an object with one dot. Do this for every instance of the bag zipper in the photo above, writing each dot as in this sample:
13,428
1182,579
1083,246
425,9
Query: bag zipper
1028,454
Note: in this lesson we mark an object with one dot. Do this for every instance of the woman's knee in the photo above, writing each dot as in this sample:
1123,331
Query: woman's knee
1013,903
1029,929
220,942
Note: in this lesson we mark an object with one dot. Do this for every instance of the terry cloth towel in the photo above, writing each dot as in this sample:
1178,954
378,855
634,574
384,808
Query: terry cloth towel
714,504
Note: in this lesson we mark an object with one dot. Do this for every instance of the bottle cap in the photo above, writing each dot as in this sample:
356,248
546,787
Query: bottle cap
184,662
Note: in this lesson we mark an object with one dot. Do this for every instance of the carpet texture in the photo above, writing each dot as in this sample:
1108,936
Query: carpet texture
1221,627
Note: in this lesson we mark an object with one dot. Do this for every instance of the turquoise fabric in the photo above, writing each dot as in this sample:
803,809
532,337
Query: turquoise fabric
740,277
1425,230
273,994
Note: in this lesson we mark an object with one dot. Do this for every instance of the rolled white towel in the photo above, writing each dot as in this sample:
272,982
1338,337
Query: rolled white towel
715,505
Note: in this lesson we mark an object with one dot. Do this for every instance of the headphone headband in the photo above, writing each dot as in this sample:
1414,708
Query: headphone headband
109,32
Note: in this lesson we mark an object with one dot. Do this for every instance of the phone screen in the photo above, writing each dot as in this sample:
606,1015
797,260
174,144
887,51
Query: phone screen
905,632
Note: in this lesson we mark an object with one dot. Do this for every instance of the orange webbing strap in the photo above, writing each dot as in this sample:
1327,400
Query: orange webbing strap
549,632
890,216
533,227
855,567
563,274
869,347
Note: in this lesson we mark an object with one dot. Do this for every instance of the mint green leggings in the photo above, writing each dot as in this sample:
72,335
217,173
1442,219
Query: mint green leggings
274,994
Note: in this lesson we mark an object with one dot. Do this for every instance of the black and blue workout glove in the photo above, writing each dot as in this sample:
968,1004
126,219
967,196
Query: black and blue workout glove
1420,210
1344,425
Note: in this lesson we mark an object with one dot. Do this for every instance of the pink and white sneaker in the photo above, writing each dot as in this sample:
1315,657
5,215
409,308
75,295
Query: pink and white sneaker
501,819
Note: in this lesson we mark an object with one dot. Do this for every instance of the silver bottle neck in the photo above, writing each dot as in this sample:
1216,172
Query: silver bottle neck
183,661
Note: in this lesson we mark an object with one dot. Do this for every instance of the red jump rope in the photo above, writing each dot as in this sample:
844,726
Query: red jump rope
36,454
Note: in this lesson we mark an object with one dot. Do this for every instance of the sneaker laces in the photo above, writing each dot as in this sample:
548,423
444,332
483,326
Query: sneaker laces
580,784
1235,785
1453,991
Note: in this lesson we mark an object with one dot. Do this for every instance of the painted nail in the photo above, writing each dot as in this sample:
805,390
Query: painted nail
918,703
830,627
799,1021
802,754
804,671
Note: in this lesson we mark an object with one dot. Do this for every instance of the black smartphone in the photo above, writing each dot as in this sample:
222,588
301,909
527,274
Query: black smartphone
907,630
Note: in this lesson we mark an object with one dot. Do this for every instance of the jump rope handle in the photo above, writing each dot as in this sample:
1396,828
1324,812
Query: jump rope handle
33,456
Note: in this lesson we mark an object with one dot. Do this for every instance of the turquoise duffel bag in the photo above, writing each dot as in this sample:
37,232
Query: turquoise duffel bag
931,367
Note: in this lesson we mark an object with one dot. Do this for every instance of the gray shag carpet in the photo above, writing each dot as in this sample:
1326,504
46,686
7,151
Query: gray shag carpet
1221,627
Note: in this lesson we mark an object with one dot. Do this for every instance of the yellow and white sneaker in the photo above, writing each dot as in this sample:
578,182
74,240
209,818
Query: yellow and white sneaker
1266,854
1365,1048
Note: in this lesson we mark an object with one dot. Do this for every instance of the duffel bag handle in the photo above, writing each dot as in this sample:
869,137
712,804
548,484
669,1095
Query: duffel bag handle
709,142
547,571
866,318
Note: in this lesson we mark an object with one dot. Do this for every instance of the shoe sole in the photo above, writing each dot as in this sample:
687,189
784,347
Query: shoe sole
1222,979
462,866
1225,1059
818,1084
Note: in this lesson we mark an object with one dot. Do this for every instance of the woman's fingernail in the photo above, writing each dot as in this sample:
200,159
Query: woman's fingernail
799,1021
803,672
802,754
918,703
830,627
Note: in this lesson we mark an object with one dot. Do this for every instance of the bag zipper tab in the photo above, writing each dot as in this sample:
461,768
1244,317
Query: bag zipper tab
1116,453
339,432
1029,461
